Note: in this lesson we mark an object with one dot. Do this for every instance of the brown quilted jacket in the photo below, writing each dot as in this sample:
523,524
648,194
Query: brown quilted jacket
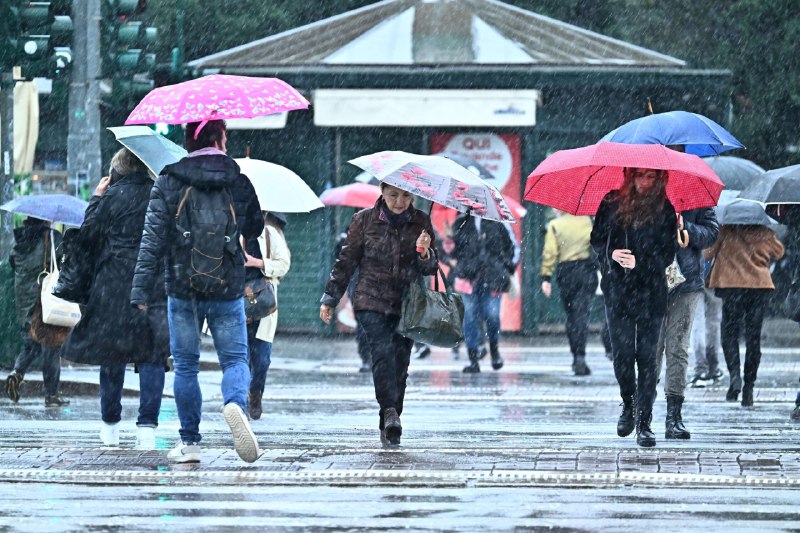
386,258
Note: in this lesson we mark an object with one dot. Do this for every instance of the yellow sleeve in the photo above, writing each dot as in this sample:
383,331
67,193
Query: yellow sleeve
550,252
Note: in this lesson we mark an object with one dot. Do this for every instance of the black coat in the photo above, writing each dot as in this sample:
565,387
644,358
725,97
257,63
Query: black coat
28,259
485,258
702,227
653,245
160,241
110,330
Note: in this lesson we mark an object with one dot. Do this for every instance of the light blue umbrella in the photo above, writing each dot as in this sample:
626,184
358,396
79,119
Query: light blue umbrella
154,150
62,208
700,135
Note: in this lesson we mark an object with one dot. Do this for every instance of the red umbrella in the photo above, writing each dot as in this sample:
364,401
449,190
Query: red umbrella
576,180
353,195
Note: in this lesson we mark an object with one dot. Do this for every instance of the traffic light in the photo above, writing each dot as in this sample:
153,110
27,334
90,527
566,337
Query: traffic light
126,42
38,37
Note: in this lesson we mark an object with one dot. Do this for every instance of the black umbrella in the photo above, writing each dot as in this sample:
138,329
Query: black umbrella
736,173
745,213
779,186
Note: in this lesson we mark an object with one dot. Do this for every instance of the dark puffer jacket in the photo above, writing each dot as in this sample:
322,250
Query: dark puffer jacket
160,239
702,227
387,258
485,257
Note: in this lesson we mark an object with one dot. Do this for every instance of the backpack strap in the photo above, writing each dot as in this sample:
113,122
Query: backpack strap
183,202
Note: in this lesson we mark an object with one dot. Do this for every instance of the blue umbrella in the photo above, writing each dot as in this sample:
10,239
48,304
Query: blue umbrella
154,150
62,208
700,135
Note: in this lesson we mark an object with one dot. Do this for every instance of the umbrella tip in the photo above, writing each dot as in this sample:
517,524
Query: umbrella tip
247,150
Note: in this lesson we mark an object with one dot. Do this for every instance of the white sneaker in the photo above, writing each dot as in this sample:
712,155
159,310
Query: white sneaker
244,440
145,438
184,453
109,434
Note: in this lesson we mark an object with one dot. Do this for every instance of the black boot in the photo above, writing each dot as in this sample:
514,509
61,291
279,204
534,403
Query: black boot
747,395
497,361
392,430
473,367
579,365
734,388
644,435
254,404
674,424
626,422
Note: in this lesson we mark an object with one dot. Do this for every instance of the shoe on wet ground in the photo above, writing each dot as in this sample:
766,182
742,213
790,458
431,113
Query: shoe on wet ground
109,434
184,453
244,440
55,401
145,438
13,382
795,413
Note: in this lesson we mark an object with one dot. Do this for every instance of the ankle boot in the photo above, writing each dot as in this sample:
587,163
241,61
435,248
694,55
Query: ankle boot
626,422
674,424
473,367
747,395
644,435
497,361
254,404
579,365
392,430
734,388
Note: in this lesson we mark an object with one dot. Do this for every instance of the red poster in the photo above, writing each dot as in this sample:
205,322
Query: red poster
500,155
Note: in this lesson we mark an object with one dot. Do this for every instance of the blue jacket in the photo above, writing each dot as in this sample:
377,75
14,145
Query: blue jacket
702,226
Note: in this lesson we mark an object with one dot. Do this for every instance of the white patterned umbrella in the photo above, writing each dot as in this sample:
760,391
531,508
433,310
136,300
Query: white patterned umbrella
438,179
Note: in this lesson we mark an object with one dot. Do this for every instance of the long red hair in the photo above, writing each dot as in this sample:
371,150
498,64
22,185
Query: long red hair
637,209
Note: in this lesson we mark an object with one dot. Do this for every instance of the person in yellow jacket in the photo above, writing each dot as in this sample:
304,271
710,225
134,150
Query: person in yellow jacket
567,251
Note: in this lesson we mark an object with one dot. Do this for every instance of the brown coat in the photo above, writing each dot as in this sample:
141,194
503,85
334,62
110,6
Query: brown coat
386,258
742,255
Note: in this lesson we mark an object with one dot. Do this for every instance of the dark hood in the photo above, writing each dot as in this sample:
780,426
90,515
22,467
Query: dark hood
26,238
205,171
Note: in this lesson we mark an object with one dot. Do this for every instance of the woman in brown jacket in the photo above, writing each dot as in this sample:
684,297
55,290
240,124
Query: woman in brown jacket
390,245
740,276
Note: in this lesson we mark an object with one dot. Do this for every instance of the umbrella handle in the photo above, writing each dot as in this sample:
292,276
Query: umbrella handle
683,238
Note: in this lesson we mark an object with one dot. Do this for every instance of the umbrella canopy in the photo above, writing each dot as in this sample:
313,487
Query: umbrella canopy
744,213
438,179
736,173
61,208
216,97
278,188
466,162
779,186
154,150
700,135
577,180
357,194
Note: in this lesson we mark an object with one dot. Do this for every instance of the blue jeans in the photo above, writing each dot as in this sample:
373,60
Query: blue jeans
227,322
478,307
260,358
151,389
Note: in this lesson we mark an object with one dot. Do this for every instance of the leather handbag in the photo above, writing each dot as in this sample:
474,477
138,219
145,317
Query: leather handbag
47,335
259,293
432,317
55,311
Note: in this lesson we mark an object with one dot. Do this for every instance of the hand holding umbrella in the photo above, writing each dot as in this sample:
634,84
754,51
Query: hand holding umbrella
423,243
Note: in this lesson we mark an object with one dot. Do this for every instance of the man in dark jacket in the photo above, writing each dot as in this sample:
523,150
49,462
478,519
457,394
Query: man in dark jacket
701,227
484,252
30,256
206,168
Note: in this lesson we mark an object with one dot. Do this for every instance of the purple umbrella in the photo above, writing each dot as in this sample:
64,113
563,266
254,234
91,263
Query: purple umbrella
62,208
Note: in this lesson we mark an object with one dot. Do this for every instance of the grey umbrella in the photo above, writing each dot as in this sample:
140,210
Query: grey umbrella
779,186
744,213
736,173
154,150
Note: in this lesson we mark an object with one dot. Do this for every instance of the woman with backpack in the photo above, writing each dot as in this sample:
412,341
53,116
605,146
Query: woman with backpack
391,245
112,333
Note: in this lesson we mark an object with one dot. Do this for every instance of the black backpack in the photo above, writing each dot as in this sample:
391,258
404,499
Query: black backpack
208,238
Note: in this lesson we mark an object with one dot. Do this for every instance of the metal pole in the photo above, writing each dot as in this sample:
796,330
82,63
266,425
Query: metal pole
7,146
83,139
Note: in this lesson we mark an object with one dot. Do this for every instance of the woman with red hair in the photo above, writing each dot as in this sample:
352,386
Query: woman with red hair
634,238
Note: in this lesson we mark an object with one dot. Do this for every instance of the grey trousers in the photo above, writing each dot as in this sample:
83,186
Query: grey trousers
706,333
674,340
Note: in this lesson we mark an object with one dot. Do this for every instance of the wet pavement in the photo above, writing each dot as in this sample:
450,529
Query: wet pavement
528,447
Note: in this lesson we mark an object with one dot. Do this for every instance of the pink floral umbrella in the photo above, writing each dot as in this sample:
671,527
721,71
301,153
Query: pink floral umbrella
216,97
438,179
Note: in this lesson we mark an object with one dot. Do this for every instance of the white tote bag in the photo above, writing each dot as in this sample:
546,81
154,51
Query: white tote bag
55,311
